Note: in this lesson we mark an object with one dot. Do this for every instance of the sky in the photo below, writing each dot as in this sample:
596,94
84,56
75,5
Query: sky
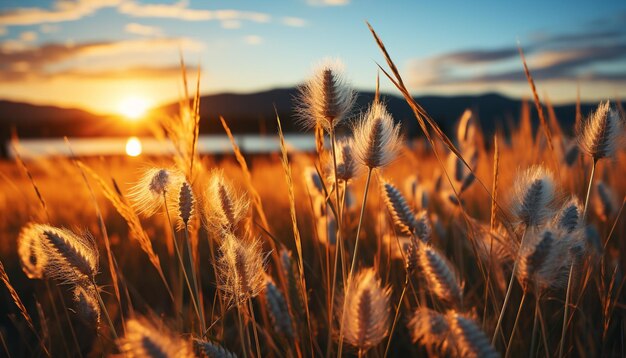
101,54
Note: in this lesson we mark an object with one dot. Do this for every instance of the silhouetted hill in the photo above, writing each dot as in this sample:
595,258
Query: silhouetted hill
254,113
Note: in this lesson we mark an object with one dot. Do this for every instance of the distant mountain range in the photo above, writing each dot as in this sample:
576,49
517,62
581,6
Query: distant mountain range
254,113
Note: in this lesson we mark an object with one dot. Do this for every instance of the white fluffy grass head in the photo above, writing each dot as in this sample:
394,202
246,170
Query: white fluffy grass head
50,252
430,328
377,138
569,217
146,338
347,166
155,183
440,275
367,316
87,305
224,207
241,268
326,98
602,132
533,195
469,339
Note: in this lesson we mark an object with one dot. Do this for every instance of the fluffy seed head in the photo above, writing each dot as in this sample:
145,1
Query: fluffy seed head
347,167
155,183
277,307
87,305
313,181
30,250
367,317
470,340
185,204
400,211
326,98
147,339
602,132
568,218
462,176
429,328
46,251
205,349
224,207
416,192
440,275
533,256
604,202
533,195
241,268
376,137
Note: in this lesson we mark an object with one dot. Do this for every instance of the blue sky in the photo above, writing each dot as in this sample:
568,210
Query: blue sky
96,53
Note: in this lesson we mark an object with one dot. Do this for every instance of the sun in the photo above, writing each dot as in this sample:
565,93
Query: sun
133,107
133,147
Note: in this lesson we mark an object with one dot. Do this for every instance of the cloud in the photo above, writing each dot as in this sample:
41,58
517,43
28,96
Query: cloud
28,36
293,21
328,2
62,11
27,63
180,11
143,30
556,57
48,28
253,39
231,24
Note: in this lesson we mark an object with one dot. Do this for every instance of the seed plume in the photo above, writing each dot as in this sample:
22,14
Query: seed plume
430,329
241,268
56,253
440,275
147,339
367,320
601,133
205,349
224,207
326,98
278,310
470,340
376,137
401,212
347,167
568,217
155,183
87,305
533,195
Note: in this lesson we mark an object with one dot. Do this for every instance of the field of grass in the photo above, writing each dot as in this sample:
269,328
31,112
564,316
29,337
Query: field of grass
503,256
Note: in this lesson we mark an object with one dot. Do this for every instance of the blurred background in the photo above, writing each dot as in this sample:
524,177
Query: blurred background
110,68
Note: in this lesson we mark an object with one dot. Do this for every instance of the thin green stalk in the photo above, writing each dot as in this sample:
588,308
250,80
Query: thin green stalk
395,318
195,280
566,310
533,342
354,255
104,309
254,330
508,292
519,311
180,260
338,246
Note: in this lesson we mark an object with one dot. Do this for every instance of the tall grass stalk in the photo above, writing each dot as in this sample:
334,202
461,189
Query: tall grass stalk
180,261
395,318
507,296
519,311
354,256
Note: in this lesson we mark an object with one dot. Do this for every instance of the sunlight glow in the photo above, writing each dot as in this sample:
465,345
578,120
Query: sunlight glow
133,147
133,107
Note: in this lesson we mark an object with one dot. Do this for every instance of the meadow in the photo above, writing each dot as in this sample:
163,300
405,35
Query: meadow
374,245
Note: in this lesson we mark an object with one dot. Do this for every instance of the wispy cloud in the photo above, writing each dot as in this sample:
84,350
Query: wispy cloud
143,30
253,39
328,2
553,57
181,11
293,21
62,11
20,64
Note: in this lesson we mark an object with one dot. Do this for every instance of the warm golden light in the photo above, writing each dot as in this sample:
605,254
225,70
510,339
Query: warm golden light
133,107
133,147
